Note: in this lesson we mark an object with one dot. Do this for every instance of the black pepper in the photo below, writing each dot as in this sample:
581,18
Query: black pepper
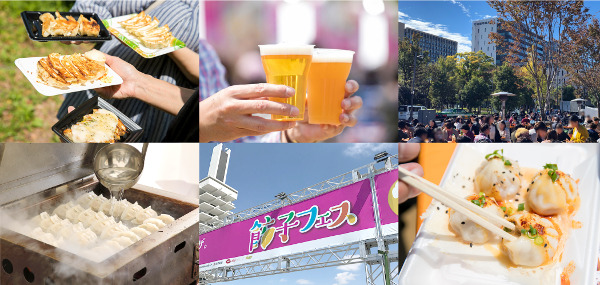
446,211
438,208
545,245
462,223
513,179
471,244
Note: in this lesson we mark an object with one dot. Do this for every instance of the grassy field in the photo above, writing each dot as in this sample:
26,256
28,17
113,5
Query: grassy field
26,115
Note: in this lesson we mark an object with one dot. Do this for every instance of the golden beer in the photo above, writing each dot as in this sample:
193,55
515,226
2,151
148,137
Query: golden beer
288,65
326,85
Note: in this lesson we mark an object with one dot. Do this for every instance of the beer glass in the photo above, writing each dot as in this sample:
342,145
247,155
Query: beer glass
288,64
326,85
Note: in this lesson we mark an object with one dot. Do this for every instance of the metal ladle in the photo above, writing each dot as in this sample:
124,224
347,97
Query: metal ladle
118,166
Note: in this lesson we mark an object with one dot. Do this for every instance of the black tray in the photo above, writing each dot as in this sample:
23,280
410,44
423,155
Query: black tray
133,133
32,22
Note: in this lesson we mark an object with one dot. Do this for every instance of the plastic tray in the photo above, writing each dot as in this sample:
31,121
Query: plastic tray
437,257
131,41
133,134
28,67
33,25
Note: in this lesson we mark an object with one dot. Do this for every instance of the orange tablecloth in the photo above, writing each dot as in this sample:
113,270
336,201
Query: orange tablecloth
434,158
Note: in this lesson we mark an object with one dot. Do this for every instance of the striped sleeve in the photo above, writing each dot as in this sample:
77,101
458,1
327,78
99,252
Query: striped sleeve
212,72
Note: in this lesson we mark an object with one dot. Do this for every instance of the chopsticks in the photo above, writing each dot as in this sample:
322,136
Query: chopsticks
459,204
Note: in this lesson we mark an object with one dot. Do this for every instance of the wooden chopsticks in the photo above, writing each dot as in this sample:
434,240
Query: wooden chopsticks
475,213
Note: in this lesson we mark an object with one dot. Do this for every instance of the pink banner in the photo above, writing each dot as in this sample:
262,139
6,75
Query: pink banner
387,196
339,212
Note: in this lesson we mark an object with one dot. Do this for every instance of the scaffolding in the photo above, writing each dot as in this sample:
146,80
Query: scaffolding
379,262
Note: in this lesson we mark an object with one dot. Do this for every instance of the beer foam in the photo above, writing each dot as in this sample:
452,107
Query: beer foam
332,55
286,49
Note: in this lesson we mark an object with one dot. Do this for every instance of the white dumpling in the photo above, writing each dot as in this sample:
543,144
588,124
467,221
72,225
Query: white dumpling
131,212
546,197
86,237
99,226
73,213
140,232
37,231
113,230
56,228
129,234
524,251
48,238
167,219
149,227
119,207
61,210
97,202
497,179
85,199
159,224
86,216
107,206
45,224
123,241
468,230
147,213
78,227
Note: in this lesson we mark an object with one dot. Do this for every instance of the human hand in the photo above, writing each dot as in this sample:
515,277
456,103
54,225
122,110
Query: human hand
132,79
408,152
305,132
227,115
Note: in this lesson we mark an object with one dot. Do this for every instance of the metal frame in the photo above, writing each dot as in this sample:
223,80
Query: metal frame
379,262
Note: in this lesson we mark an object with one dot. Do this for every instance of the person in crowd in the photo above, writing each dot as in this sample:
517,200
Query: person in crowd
525,120
449,131
403,133
593,135
438,136
420,136
458,123
580,134
466,131
541,132
431,126
464,139
484,135
522,135
494,134
561,134
552,137
503,131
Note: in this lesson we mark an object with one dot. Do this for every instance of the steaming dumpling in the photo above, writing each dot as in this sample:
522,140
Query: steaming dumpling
130,213
48,238
468,230
167,219
86,237
37,231
113,230
155,221
97,202
140,232
115,246
149,227
85,199
99,226
550,198
45,224
73,213
86,217
123,241
55,229
98,217
67,232
528,249
129,234
141,216
77,228
497,179
119,207
107,206
38,219
61,210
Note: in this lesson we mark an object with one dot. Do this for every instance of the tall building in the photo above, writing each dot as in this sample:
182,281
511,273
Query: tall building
436,46
480,41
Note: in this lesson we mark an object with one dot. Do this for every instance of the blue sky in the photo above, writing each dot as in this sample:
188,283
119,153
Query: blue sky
260,171
452,19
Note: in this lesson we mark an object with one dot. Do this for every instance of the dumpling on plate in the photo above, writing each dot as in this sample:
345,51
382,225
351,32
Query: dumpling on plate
498,177
552,192
468,230
537,241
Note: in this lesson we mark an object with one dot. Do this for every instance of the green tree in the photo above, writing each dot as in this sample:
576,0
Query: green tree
505,79
407,51
476,92
568,93
468,66
442,90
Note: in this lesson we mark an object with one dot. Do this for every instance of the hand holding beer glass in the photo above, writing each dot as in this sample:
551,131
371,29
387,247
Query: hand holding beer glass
288,64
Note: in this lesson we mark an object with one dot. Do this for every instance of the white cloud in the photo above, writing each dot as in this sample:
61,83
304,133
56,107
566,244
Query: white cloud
304,282
350,267
344,278
359,149
488,16
464,43
462,6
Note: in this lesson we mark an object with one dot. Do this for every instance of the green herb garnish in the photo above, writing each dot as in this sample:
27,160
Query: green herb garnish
507,230
499,153
521,207
479,201
503,209
538,240
552,168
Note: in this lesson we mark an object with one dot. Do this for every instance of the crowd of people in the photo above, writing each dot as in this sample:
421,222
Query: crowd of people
519,128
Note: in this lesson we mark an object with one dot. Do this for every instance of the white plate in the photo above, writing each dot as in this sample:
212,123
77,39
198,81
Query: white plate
437,257
28,67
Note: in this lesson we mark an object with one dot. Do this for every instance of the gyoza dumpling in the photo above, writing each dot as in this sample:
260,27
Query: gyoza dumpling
113,230
123,241
97,202
73,213
131,212
85,199
86,237
61,211
56,228
140,232
468,230
149,227
537,242
167,219
119,207
45,224
552,192
86,217
107,206
99,226
159,224
498,177
129,234
141,216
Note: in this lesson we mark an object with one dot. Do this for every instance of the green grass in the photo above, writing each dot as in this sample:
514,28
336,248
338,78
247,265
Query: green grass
26,115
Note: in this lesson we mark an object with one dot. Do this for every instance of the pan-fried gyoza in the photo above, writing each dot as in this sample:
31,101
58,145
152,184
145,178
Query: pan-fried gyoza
68,27
63,71
101,126
147,30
